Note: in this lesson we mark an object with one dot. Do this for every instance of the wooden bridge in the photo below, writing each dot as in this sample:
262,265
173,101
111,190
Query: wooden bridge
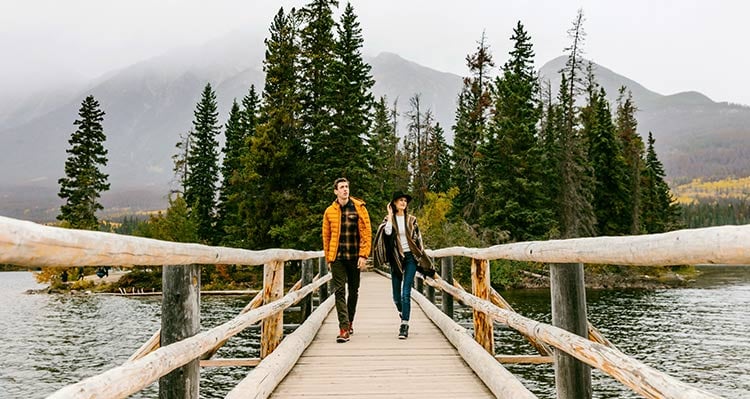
440,358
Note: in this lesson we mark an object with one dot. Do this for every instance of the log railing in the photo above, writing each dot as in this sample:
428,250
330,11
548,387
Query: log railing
726,245
29,244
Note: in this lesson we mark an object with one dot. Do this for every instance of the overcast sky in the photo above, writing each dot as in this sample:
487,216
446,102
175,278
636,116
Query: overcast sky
667,46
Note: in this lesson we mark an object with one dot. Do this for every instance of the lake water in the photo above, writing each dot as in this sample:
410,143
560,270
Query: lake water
698,335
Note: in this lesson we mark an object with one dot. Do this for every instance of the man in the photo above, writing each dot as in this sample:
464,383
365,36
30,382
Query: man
346,244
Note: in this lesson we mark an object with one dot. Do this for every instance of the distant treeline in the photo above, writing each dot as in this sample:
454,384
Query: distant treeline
716,213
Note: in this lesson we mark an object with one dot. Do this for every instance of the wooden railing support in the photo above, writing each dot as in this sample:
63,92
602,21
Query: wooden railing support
322,271
572,377
272,327
446,272
306,304
180,319
480,286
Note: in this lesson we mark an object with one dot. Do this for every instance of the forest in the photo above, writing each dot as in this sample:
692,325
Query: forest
528,162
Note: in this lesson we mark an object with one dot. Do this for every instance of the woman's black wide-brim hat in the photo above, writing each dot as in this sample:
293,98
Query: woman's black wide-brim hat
400,194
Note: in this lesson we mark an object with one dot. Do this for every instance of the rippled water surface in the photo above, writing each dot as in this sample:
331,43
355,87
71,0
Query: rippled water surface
698,335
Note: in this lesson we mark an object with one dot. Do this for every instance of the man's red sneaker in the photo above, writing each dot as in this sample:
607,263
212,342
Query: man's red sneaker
343,336
351,328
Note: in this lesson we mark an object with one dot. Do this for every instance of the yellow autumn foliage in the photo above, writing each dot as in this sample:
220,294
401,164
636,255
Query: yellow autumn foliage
706,191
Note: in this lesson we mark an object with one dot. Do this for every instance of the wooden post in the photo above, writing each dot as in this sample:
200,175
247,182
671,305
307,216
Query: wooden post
307,277
431,293
272,327
419,285
322,270
480,286
446,272
572,377
180,319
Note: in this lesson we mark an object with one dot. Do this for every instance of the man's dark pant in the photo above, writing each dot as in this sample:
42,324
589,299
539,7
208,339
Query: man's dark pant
345,272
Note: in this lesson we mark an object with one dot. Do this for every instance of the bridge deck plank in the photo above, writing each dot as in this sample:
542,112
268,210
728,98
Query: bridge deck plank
375,363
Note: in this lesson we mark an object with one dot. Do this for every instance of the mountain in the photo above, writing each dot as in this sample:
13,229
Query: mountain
149,104
695,136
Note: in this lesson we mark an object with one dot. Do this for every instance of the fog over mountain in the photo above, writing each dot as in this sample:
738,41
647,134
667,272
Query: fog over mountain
149,104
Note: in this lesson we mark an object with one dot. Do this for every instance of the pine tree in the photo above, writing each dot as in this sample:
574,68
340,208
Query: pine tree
236,217
575,211
203,165
351,109
84,181
439,152
318,83
272,175
659,211
576,214
610,195
633,151
473,110
511,162
234,144
386,158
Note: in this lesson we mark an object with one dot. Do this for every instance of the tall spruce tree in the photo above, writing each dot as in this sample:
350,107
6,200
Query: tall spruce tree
659,211
235,215
318,83
84,181
474,104
272,176
576,214
203,165
439,153
511,168
610,195
351,109
233,147
633,150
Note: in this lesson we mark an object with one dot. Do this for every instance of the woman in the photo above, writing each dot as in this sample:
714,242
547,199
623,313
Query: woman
399,242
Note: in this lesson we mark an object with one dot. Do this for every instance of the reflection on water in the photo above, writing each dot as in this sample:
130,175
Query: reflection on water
698,335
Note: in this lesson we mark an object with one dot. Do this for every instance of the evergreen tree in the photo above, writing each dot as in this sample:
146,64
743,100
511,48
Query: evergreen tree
511,162
386,158
203,164
272,176
576,214
351,110
84,181
236,217
318,83
633,152
610,196
233,148
575,211
659,212
249,114
473,110
439,153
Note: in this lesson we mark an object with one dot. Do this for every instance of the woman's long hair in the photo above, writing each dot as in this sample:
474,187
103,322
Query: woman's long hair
406,213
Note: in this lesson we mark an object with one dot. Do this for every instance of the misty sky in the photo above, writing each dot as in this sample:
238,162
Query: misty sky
667,46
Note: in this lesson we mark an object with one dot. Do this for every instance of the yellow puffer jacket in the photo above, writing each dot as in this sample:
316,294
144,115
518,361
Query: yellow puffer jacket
332,229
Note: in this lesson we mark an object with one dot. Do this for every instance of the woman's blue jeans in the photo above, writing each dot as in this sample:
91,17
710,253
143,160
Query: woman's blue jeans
402,285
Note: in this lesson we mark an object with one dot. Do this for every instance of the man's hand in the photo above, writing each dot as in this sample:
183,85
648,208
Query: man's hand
362,263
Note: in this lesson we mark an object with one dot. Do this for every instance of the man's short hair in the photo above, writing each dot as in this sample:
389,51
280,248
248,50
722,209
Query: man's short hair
339,180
